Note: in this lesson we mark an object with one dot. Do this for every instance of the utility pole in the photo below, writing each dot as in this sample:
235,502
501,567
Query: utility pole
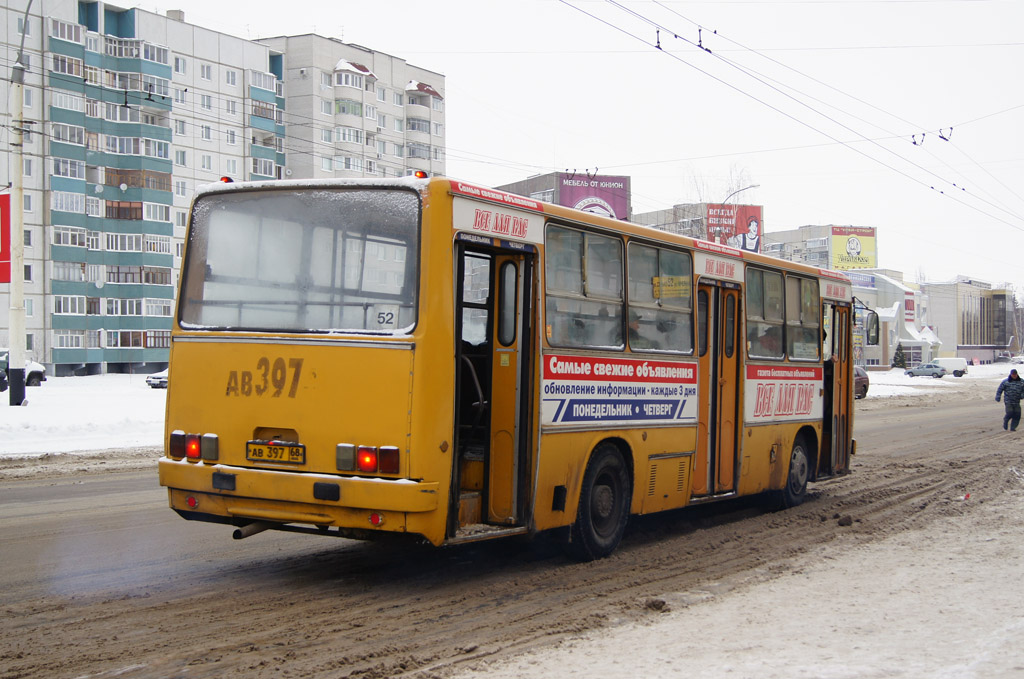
16,333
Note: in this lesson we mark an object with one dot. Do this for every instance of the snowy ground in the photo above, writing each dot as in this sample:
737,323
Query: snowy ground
103,412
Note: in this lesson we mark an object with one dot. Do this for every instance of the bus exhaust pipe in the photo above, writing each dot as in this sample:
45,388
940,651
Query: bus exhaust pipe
251,529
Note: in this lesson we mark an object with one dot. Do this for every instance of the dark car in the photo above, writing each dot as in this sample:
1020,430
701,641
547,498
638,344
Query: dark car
860,382
3,380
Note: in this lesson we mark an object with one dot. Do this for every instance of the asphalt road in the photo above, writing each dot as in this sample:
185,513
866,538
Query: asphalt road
100,578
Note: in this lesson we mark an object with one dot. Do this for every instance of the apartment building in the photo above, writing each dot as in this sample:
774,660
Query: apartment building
129,112
356,112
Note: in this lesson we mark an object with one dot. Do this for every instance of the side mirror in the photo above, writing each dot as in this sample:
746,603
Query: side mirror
871,326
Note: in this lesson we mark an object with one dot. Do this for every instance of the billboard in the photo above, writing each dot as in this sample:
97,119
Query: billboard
604,195
738,226
853,247
5,238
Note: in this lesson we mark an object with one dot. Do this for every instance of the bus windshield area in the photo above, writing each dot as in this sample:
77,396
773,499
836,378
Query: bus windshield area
303,260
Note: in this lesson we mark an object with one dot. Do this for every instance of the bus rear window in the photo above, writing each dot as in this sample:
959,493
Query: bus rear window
303,260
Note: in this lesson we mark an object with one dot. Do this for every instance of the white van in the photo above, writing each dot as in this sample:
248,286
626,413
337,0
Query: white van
957,366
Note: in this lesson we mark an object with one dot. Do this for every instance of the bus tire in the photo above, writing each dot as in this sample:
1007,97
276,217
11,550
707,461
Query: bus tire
795,490
603,511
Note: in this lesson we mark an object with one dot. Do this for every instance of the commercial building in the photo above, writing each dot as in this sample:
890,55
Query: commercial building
601,194
127,112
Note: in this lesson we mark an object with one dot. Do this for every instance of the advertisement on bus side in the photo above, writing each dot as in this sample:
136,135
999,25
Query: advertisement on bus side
782,393
620,391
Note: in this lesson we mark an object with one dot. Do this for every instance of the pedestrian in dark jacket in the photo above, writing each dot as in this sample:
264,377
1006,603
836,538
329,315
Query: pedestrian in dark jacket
1012,388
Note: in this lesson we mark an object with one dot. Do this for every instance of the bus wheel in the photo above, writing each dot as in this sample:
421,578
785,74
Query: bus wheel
604,505
799,471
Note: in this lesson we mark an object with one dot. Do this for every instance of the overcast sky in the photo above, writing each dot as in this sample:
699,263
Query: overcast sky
819,102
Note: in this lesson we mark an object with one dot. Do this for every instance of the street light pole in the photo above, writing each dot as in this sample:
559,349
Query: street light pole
16,332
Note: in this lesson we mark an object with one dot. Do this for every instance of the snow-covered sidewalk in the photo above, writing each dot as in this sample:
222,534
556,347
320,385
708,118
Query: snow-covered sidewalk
68,414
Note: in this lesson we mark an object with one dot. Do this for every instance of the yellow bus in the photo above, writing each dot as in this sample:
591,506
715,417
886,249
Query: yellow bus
442,360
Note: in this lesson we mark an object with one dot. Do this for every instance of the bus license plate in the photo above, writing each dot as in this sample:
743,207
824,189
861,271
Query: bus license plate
290,453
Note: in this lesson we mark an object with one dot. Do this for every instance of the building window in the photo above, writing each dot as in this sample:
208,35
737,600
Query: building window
122,209
231,166
326,107
28,273
418,125
348,107
206,132
207,161
231,137
231,78
263,167
124,242
156,212
348,134
73,236
349,80
180,158
159,307
65,167
370,111
231,106
437,104
399,125
68,339
206,71
382,93
180,96
397,99
326,164
180,65
206,102
179,127
438,130
180,188
66,201
71,305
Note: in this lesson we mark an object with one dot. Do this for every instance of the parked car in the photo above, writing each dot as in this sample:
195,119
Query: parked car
35,373
3,381
957,366
157,380
860,382
1017,359
932,369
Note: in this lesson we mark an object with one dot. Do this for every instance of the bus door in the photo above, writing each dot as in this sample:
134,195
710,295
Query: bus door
493,322
718,422
838,390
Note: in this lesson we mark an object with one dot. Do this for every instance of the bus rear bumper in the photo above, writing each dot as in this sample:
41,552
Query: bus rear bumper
291,497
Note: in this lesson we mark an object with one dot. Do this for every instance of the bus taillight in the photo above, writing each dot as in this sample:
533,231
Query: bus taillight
366,459
192,449
389,459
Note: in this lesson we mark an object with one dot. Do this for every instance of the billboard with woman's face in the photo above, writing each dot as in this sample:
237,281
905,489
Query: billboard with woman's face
738,226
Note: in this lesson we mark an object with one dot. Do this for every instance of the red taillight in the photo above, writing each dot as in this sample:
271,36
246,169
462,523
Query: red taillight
366,459
192,502
389,460
376,519
192,449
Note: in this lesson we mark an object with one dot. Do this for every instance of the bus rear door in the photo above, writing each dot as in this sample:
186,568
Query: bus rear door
717,428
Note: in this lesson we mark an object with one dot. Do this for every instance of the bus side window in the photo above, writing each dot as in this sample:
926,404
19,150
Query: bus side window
702,322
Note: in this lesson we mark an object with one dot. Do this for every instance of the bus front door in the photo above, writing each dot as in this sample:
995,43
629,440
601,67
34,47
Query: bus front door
493,387
718,422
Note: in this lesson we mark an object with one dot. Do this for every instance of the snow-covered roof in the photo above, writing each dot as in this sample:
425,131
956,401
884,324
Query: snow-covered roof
417,86
353,67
